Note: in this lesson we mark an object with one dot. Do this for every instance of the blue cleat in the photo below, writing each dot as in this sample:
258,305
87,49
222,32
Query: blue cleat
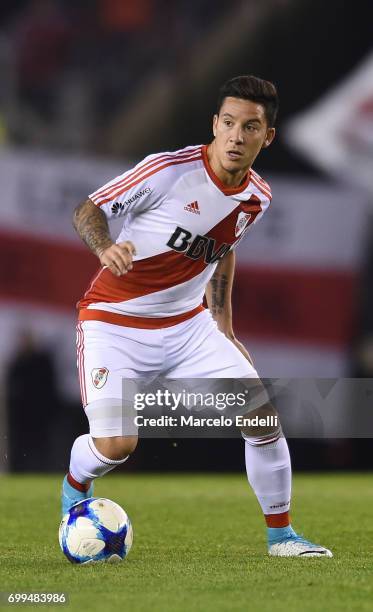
71,496
284,542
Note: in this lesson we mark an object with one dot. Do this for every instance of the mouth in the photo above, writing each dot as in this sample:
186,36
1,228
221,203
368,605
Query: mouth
233,154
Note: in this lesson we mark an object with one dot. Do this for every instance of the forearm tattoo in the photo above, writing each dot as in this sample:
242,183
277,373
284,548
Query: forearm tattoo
92,226
219,284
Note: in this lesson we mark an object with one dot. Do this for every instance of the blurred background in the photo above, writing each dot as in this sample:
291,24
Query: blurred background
90,87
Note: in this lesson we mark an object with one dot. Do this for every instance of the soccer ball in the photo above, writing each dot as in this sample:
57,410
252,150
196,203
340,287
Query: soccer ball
95,529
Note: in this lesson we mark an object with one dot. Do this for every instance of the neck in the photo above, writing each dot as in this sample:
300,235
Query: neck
230,179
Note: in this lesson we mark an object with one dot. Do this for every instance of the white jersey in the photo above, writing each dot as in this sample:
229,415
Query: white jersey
182,221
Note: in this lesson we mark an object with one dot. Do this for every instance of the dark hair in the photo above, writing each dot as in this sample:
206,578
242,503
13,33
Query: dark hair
252,88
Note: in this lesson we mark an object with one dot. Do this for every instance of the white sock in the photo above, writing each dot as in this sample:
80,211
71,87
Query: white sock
268,471
87,463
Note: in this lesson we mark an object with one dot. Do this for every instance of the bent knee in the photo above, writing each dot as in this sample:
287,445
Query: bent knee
261,422
117,447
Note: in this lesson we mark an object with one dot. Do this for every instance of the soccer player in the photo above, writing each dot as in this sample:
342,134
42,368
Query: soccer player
183,215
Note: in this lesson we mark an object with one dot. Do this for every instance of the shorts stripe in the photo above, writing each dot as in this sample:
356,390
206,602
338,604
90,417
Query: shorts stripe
78,345
77,356
81,370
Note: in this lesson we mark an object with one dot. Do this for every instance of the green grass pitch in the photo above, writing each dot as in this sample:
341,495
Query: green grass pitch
199,545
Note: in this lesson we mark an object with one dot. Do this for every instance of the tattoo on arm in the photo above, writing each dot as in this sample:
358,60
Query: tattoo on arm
219,284
91,224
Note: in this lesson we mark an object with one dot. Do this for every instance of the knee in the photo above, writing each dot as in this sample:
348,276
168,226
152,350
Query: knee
116,448
256,428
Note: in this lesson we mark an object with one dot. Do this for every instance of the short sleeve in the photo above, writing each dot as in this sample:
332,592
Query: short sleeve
133,191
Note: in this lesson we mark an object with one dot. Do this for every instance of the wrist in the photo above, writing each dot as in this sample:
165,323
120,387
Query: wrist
100,250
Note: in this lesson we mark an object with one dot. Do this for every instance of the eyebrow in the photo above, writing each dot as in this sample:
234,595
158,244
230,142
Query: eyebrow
253,120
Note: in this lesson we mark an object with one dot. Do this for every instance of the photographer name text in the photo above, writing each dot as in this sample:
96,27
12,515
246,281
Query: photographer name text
193,421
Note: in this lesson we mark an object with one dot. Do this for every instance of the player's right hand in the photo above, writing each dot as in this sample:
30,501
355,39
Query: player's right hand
118,257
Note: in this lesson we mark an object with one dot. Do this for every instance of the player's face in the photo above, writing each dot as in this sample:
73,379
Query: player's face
240,131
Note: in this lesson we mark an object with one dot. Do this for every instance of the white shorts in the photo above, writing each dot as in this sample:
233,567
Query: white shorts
195,348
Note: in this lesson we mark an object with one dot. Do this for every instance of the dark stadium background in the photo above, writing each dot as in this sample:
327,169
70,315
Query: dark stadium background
106,57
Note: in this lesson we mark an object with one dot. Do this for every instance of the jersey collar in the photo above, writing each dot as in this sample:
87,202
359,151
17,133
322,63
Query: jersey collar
226,190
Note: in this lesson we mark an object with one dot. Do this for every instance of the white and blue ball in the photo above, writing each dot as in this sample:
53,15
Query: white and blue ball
95,529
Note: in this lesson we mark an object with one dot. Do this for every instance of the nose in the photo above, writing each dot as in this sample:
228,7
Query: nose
237,135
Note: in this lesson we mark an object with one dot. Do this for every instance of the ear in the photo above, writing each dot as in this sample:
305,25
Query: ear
271,132
214,124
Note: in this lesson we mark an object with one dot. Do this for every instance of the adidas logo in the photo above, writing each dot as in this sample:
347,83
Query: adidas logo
193,208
